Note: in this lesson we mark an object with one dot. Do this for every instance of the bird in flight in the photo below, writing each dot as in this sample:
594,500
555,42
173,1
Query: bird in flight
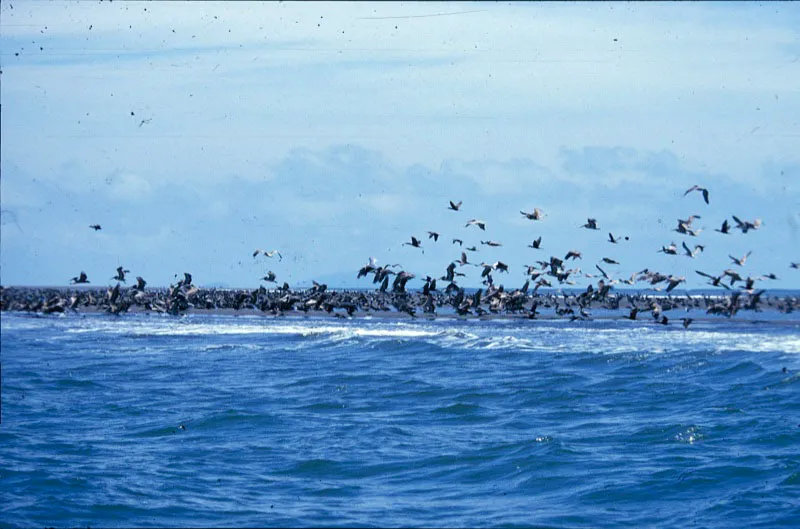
120,274
536,244
591,224
479,223
414,242
96,227
536,215
455,206
724,228
741,261
80,279
698,188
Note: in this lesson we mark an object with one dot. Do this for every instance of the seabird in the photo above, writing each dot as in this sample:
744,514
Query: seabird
414,242
591,224
741,261
479,223
270,277
459,241
120,274
746,225
691,253
140,283
536,245
491,243
455,206
609,261
433,235
95,227
80,279
698,188
725,227
573,254
536,215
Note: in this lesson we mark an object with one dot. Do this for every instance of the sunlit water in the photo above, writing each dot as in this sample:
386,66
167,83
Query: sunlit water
301,422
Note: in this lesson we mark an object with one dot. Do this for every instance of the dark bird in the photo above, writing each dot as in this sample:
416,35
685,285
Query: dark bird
671,249
698,188
794,265
591,224
479,223
414,242
573,254
120,274
725,227
536,215
455,206
433,235
746,225
80,279
536,245
491,243
686,322
270,277
609,261
95,227
140,283
459,241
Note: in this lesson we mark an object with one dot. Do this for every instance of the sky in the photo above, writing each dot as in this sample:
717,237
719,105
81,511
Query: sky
195,133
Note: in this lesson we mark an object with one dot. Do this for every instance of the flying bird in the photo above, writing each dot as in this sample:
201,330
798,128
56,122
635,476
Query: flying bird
479,223
433,235
459,241
724,228
270,277
741,261
414,242
491,243
455,206
96,227
80,279
591,224
536,244
120,274
536,215
746,225
698,188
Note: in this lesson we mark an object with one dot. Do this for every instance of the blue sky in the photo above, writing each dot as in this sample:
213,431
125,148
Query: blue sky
333,132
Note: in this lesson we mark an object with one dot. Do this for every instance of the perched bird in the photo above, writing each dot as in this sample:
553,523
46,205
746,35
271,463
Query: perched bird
140,283
80,279
479,223
95,227
455,206
698,188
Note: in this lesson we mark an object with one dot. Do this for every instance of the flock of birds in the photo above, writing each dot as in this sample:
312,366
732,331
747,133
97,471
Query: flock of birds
432,299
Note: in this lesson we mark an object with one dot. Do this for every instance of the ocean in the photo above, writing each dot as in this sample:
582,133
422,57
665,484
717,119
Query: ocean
208,420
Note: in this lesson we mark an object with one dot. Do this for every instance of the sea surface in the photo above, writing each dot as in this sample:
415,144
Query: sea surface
207,420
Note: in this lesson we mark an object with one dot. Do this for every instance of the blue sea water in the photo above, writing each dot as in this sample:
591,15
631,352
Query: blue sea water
147,420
